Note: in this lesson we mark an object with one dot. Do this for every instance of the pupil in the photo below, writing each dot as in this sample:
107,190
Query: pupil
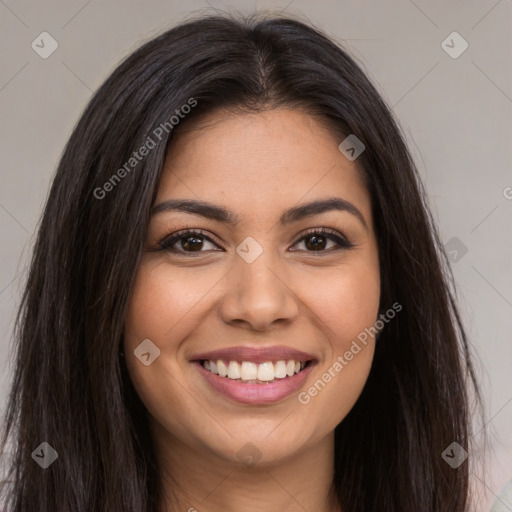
196,243
314,245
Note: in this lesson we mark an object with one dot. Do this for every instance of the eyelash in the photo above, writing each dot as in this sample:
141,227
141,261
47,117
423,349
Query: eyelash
167,243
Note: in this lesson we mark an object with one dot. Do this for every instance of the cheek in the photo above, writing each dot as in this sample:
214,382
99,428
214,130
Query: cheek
346,307
347,302
154,311
160,303
159,311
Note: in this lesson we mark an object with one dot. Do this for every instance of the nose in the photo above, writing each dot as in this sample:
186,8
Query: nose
257,295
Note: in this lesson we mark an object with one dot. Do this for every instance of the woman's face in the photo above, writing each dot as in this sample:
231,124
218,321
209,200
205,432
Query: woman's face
262,281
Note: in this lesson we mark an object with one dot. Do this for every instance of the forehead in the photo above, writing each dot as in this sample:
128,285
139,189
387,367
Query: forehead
259,161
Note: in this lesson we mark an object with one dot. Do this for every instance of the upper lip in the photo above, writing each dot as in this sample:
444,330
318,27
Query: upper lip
255,354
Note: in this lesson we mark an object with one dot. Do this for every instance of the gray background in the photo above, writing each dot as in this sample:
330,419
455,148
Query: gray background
456,114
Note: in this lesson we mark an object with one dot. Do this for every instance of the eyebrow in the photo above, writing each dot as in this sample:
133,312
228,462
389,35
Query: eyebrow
220,214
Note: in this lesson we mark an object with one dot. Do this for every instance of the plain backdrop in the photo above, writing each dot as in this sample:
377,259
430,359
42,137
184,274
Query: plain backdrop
455,110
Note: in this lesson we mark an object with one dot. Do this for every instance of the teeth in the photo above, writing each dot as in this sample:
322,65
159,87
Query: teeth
280,370
266,372
233,370
250,372
222,368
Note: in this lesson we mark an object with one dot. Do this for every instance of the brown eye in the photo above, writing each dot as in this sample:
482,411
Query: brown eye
315,242
185,242
318,240
192,243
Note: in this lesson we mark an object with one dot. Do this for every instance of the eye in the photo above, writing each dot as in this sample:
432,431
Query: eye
193,241
316,240
189,241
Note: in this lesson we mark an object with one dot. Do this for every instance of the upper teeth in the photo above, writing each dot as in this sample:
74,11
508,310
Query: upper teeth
247,370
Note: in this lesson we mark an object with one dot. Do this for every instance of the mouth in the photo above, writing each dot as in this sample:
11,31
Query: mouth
253,383
249,372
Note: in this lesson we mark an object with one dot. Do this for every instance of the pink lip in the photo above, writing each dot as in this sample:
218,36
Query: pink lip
255,355
255,393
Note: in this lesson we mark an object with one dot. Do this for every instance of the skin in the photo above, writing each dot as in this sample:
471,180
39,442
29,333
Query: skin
256,165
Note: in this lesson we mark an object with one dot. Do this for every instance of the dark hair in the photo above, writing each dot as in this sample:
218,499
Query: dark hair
71,387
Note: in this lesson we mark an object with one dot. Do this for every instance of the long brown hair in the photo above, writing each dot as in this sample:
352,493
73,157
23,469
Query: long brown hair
71,388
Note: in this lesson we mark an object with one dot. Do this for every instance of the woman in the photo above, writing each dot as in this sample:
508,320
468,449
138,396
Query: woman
238,299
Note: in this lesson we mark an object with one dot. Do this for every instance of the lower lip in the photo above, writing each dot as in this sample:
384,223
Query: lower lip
255,393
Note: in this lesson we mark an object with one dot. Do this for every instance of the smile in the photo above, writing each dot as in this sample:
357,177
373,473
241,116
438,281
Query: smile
250,383
252,373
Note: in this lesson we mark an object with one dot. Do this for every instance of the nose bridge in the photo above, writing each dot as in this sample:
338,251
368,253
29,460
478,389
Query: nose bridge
256,293
258,276
256,272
